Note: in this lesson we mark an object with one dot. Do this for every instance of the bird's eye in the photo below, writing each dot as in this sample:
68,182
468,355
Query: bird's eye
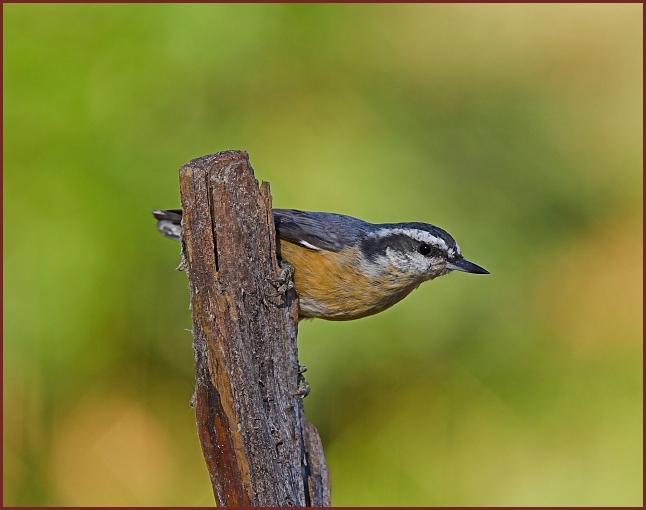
424,249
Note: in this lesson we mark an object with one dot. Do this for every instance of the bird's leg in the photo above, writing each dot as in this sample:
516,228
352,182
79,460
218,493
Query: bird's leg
303,386
285,281
303,389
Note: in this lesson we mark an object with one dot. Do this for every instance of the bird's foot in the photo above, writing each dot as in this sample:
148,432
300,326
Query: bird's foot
285,280
303,388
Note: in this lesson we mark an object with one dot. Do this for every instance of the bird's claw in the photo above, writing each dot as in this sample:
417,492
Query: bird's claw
285,281
303,389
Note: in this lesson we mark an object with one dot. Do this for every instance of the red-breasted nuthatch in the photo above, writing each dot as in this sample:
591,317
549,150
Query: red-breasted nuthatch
346,268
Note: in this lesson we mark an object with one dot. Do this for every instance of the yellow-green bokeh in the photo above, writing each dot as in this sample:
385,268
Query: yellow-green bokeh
518,128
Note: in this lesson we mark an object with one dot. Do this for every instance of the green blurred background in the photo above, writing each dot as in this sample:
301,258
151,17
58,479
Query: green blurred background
518,128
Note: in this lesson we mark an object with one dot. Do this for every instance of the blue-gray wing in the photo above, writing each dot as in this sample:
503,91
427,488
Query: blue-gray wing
313,230
319,230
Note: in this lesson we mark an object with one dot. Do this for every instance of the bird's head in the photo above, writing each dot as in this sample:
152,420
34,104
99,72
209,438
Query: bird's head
418,250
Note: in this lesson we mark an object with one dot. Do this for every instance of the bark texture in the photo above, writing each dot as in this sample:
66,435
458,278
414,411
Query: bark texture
259,448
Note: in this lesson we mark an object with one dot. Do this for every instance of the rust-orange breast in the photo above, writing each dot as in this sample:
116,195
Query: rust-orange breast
336,285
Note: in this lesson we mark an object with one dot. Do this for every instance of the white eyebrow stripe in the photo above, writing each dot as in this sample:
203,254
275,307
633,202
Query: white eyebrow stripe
420,235
308,245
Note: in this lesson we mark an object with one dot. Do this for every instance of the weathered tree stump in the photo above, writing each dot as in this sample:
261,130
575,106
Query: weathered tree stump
259,448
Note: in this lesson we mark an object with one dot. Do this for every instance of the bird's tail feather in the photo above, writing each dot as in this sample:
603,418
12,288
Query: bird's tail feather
169,222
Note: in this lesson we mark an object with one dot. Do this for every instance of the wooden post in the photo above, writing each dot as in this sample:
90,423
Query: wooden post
259,448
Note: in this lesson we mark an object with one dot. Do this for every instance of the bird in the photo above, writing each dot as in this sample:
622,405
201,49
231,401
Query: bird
345,268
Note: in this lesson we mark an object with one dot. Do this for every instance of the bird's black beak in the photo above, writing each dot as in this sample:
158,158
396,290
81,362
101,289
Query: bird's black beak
460,264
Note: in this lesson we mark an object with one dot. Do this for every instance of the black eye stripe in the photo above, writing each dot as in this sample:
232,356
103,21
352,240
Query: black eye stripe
375,246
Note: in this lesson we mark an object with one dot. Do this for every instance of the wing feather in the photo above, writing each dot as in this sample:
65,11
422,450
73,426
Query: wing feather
313,230
318,230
